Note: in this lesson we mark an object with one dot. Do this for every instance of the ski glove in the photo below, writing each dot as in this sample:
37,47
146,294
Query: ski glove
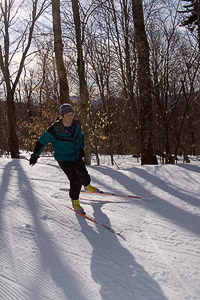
82,153
33,159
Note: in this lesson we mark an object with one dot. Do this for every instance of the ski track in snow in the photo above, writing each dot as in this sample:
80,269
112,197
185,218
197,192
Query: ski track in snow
47,252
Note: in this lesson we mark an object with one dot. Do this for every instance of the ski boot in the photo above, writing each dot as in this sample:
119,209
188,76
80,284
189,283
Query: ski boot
77,207
92,189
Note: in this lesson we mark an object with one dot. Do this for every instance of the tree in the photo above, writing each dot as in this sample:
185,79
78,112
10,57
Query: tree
58,48
13,42
144,82
174,65
192,20
84,95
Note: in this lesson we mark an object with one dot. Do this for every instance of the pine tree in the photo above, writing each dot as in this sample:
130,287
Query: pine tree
192,19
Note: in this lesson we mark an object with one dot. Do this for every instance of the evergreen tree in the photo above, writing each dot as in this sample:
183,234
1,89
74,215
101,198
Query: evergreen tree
192,19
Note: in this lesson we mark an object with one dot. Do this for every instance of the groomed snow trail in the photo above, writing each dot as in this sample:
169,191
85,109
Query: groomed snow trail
47,252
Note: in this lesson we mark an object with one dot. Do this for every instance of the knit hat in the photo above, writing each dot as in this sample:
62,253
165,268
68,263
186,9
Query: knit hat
65,109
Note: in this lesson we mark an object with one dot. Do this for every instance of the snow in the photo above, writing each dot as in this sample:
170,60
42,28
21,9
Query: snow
47,252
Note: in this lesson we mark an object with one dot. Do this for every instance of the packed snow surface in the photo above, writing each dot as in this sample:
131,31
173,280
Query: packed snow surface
48,252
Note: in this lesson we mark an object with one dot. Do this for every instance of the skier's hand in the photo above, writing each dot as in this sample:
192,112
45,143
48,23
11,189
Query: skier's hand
33,159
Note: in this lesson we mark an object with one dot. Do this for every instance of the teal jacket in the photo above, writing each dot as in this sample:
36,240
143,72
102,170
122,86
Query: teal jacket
65,148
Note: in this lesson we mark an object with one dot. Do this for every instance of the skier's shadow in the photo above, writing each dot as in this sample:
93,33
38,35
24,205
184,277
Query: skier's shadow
48,256
113,267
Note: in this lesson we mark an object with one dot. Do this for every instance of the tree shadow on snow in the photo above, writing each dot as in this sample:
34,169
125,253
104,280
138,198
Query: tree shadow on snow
48,260
190,167
113,267
170,211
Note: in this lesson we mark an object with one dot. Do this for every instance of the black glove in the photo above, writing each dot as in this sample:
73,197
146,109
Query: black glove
33,159
82,153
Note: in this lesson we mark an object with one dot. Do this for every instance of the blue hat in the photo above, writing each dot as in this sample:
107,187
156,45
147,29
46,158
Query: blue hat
65,109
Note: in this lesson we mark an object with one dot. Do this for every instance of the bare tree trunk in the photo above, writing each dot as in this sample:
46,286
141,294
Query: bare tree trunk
127,72
58,48
6,57
84,96
13,138
12,133
144,81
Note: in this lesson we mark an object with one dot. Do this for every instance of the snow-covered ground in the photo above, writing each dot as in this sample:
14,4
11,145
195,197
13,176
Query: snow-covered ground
47,252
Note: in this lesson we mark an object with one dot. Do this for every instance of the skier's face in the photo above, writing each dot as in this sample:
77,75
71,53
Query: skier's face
68,118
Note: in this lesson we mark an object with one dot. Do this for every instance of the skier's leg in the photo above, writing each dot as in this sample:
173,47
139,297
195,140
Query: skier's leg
82,172
84,176
69,169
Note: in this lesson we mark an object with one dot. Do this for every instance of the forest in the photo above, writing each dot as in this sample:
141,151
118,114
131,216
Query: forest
130,68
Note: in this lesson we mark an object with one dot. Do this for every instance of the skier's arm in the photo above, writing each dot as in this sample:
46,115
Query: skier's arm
45,138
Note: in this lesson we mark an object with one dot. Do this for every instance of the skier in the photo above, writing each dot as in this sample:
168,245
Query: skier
66,138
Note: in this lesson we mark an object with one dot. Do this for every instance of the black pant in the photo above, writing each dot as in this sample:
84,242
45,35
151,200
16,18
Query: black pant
77,174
